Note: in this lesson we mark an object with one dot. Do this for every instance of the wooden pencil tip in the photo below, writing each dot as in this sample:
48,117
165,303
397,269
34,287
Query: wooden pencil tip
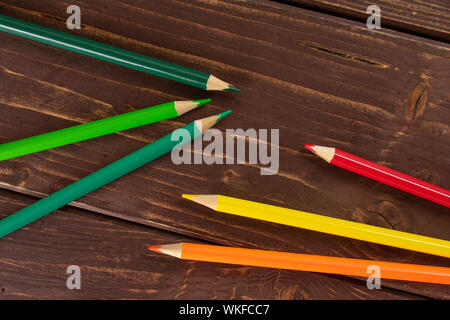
206,123
155,248
325,153
182,107
215,83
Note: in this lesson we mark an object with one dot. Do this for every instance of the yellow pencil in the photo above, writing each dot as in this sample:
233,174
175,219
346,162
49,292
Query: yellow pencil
316,222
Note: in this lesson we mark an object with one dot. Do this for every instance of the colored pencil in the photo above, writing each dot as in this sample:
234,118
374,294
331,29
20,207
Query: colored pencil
107,174
382,174
112,54
316,222
97,128
304,262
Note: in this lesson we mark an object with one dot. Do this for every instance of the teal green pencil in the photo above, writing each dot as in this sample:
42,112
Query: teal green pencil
97,128
108,174
112,54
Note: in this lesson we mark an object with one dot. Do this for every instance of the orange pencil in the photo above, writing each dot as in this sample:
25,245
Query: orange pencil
305,262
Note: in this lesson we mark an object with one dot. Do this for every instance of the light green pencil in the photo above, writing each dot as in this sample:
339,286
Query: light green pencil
97,128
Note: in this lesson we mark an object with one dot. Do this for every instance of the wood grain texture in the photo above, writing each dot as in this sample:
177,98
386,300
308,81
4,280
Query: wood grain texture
428,18
115,264
321,80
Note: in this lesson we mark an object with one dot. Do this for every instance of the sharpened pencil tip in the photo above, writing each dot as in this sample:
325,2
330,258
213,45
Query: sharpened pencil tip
202,102
173,250
154,248
222,115
232,88
189,196
310,147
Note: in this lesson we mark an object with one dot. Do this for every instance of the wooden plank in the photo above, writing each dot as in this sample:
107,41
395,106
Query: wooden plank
427,18
115,264
316,78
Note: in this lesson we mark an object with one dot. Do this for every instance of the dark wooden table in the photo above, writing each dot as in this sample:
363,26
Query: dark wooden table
309,68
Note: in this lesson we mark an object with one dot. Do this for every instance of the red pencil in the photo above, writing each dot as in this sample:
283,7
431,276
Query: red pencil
382,174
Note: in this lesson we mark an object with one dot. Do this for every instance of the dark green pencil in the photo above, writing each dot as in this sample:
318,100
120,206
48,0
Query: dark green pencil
112,54
108,174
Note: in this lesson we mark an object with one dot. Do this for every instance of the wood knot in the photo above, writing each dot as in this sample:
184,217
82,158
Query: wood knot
228,175
417,102
25,174
17,175
387,215
428,176
384,214
124,108
289,293
391,215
